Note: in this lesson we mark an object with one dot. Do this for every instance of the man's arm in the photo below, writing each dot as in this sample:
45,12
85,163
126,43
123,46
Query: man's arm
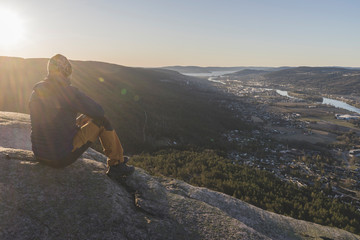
82,120
85,105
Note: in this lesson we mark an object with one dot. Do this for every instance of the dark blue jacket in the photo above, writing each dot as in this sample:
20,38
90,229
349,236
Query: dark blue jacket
54,105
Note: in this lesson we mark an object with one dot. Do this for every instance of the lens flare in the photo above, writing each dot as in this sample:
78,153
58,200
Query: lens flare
123,91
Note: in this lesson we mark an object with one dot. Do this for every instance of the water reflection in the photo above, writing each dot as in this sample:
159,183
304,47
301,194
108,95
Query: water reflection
329,101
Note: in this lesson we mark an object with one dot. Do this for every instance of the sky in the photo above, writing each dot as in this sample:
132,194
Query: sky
154,33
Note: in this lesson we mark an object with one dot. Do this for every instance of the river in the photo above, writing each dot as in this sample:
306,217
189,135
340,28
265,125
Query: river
329,101
336,103
212,76
209,74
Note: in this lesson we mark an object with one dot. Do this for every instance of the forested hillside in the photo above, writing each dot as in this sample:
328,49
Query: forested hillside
325,79
150,108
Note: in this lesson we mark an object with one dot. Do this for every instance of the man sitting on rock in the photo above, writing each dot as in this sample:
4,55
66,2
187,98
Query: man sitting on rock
58,137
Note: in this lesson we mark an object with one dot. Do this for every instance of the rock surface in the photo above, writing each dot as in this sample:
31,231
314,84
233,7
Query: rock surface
81,202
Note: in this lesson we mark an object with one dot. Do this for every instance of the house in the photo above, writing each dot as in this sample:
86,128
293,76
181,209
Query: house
354,153
346,117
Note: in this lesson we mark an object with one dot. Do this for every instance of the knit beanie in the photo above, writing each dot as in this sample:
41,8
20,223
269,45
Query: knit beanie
59,64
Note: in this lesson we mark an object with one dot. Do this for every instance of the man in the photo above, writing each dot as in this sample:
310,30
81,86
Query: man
58,137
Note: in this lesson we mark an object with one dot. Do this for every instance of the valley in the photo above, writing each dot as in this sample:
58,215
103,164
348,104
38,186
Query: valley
299,140
232,134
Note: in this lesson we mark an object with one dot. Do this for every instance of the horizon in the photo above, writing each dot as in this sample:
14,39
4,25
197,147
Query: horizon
162,33
214,66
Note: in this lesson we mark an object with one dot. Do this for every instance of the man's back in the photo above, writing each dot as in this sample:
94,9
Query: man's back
52,119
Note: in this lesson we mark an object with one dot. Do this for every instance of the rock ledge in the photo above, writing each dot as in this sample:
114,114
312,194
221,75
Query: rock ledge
81,202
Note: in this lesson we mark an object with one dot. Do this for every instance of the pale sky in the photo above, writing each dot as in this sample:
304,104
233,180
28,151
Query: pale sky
153,33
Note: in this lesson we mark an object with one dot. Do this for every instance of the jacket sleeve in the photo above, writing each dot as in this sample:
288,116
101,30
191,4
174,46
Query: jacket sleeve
84,104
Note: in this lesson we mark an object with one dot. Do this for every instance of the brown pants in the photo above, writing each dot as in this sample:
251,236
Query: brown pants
87,134
108,138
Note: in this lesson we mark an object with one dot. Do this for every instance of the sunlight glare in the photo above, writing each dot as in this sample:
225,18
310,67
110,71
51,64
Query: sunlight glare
11,29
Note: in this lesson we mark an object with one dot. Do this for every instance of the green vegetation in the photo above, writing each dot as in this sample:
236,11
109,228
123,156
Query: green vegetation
260,188
329,119
347,141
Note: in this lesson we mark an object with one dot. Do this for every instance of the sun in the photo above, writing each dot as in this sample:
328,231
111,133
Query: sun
11,29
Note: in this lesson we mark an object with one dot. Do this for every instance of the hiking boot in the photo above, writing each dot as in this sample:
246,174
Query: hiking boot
120,170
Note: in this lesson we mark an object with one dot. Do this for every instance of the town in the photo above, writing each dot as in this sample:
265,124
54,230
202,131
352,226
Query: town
300,141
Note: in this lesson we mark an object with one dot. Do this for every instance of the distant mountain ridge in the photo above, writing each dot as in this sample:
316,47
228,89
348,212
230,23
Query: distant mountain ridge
325,80
196,69
246,72
335,80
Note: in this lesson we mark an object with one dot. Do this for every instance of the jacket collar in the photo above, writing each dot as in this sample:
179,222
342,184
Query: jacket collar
58,80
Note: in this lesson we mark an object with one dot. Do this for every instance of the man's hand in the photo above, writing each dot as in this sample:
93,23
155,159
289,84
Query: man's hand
82,120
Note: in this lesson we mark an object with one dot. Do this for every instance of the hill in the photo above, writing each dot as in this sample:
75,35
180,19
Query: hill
80,202
196,69
188,69
149,108
247,72
333,80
